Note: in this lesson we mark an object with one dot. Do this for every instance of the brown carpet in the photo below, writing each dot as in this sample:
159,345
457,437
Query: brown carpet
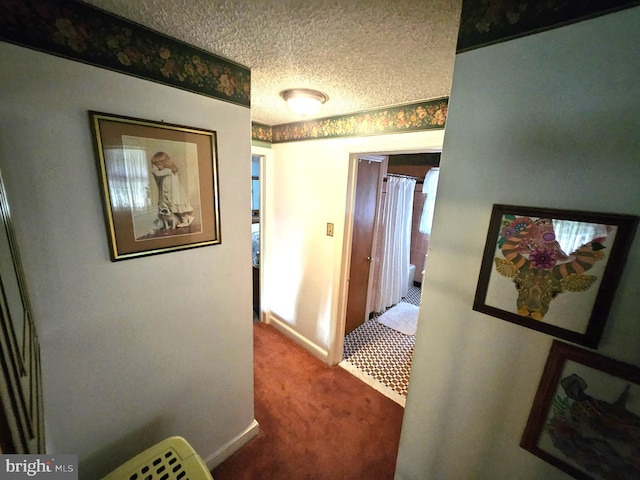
316,422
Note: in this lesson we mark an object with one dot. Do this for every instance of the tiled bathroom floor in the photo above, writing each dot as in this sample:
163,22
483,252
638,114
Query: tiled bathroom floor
382,353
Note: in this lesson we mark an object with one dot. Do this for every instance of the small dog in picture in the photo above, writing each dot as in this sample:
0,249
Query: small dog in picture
168,218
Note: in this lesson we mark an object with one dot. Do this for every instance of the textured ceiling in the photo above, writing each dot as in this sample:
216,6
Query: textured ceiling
363,54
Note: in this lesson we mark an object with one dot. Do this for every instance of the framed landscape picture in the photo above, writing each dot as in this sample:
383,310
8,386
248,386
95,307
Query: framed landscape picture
585,415
159,185
555,271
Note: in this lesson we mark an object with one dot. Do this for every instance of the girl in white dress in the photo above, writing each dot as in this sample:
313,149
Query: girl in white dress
171,195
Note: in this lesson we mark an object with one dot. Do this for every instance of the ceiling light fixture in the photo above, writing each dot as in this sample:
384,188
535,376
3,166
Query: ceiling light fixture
304,101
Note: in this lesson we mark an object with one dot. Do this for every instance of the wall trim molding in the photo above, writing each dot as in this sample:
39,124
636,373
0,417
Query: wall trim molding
261,133
232,446
297,337
484,23
411,117
87,34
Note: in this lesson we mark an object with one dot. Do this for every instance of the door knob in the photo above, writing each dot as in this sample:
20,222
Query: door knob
369,259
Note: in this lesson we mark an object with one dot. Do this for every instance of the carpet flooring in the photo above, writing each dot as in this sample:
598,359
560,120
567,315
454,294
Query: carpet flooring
382,354
316,422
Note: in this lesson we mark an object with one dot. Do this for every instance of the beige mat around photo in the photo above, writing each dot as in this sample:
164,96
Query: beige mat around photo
402,317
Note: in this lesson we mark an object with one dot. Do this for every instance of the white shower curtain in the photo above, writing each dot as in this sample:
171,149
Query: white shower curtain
396,242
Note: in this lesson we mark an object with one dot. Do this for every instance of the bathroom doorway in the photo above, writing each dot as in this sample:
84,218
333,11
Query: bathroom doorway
372,350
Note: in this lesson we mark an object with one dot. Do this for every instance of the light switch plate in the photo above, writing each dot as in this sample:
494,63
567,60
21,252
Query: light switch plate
330,229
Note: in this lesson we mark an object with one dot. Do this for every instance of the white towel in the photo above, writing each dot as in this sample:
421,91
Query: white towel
402,317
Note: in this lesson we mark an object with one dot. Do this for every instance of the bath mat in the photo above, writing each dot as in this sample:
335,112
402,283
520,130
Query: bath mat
402,317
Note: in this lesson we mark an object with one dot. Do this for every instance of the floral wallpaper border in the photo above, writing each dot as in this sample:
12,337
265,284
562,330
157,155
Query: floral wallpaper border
426,115
261,132
87,34
486,22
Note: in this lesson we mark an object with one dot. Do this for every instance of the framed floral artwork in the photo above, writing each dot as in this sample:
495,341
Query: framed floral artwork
555,271
159,185
585,415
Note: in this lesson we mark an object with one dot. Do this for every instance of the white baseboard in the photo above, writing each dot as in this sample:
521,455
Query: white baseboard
301,340
231,447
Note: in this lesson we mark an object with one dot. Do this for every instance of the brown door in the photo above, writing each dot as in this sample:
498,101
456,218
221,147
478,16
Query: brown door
364,214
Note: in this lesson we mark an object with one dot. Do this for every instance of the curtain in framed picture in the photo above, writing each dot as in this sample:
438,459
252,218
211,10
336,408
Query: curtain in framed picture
129,171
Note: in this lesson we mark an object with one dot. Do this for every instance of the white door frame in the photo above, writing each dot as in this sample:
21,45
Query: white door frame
337,345
265,155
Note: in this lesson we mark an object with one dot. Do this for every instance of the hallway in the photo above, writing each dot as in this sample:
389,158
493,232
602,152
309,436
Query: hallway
316,422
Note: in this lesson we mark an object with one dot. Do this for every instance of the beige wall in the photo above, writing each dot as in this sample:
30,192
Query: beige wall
136,350
548,120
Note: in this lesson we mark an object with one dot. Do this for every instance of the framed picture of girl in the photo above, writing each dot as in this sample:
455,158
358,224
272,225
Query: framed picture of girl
159,184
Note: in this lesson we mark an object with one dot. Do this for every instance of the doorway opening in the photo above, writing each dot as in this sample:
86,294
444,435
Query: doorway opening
257,169
378,345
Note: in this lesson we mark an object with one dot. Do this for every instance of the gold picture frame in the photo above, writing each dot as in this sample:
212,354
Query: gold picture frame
159,185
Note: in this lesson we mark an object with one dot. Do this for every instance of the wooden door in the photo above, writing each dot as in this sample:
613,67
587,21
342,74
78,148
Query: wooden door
364,214
21,421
